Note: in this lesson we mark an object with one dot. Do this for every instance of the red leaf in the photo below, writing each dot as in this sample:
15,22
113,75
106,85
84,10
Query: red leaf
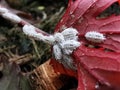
119,1
104,66
94,64
60,68
86,81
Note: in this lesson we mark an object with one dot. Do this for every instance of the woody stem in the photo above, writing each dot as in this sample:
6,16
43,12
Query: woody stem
20,22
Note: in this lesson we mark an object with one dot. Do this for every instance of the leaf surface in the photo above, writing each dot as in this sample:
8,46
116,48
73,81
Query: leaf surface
96,65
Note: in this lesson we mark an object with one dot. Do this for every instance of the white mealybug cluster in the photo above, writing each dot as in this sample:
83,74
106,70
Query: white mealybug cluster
29,30
95,37
59,37
68,62
57,51
63,43
12,17
3,10
49,39
7,15
69,46
70,34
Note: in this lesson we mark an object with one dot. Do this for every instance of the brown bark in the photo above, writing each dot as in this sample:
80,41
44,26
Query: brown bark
47,79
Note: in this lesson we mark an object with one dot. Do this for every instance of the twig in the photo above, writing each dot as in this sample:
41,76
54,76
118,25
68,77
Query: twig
22,59
15,57
5,13
36,48
6,48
